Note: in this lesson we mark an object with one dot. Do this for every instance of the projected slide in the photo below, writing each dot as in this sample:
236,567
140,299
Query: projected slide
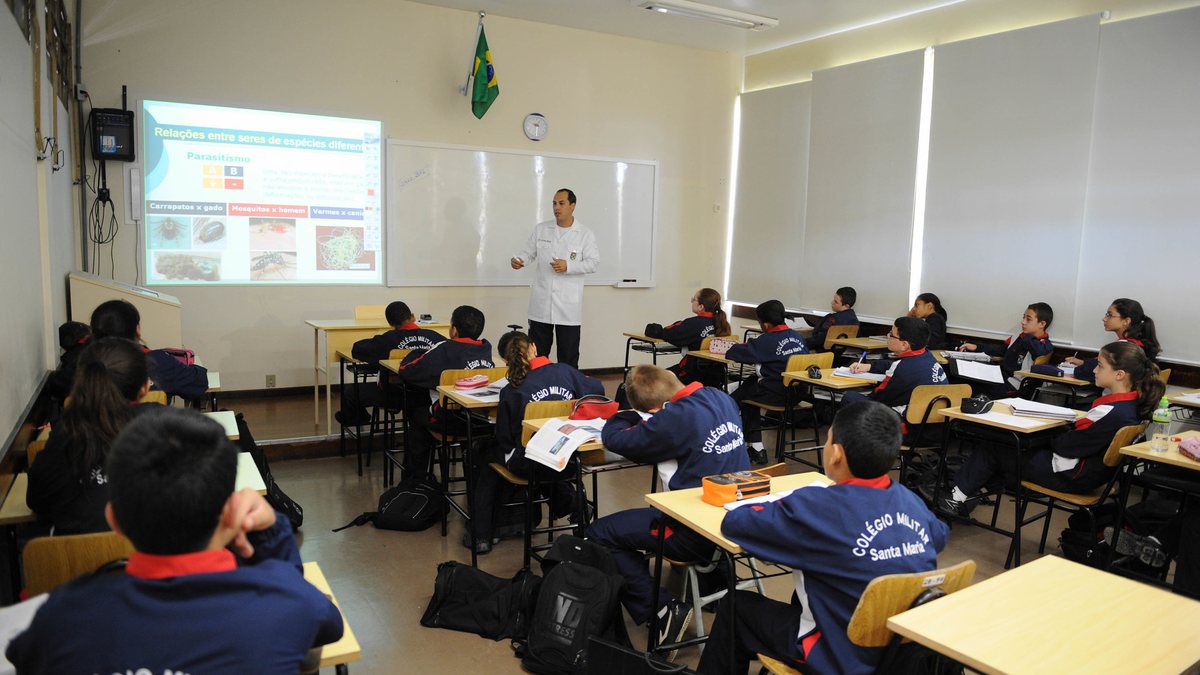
236,196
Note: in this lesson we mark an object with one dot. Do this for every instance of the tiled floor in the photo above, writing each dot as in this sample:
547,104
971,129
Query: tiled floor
384,579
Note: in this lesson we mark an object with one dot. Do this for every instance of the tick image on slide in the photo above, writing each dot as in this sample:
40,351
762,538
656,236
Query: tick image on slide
169,232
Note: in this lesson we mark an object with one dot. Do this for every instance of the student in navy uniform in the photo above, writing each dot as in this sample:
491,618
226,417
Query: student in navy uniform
928,307
914,367
770,351
214,585
709,320
1019,351
119,318
1126,319
530,378
1074,461
405,334
421,372
692,431
841,314
837,540
73,336
67,485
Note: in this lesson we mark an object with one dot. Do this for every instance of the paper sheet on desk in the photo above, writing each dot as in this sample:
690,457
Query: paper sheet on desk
846,372
772,497
558,439
1011,420
14,620
980,371
1191,398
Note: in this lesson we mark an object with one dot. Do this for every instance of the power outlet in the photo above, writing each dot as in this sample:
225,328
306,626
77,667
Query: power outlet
271,381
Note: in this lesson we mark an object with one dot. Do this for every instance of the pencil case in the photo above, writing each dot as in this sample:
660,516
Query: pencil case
723,488
720,345
472,382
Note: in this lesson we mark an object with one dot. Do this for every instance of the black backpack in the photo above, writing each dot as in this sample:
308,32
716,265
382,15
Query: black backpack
468,599
276,497
413,505
577,600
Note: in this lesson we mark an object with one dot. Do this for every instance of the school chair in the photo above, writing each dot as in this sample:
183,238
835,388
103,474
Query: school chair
1043,359
157,396
1073,502
885,597
361,373
51,561
922,414
390,415
782,418
837,332
450,444
1165,376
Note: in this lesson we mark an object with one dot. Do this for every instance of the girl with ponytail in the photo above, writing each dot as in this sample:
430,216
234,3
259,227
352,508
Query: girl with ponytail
1125,319
708,320
67,485
1075,460
928,306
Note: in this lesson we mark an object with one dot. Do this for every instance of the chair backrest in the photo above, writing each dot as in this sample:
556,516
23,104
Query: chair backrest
779,469
1124,437
51,561
536,410
365,312
398,354
157,396
704,344
837,332
1165,375
932,398
801,362
33,450
1043,359
891,594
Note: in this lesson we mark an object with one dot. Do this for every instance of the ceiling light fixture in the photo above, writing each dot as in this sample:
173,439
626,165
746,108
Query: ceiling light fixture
696,10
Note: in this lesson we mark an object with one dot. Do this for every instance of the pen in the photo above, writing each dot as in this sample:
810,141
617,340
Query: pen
862,356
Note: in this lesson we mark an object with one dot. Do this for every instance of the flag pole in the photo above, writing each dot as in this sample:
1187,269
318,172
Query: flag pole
474,45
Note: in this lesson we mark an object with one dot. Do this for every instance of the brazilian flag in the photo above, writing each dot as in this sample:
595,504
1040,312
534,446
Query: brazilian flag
486,88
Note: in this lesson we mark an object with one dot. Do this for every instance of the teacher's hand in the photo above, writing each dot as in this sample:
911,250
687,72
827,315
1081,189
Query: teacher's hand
559,265
517,263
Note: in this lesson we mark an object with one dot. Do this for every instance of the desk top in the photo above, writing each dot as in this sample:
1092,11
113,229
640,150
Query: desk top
346,649
346,356
1001,417
1142,451
1069,381
1056,616
14,510
828,380
364,324
248,475
228,421
867,343
214,381
687,507
645,338
710,356
392,365
1178,399
466,399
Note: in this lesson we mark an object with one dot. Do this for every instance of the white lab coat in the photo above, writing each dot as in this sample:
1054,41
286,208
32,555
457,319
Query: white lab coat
558,298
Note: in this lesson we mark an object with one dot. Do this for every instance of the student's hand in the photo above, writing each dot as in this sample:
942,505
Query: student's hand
245,511
860,368
558,265
1073,360
516,263
969,347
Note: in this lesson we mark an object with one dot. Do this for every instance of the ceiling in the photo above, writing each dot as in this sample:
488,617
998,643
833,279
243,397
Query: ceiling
799,20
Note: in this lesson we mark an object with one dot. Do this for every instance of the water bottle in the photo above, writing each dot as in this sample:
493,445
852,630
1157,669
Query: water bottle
1159,428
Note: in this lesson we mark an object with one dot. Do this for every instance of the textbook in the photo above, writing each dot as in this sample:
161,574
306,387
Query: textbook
1024,408
558,439
967,356
846,372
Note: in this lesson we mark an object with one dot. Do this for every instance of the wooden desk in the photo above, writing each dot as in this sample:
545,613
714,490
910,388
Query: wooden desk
865,343
214,388
1178,399
1072,383
469,400
655,346
346,649
228,421
828,380
341,334
712,356
1056,616
248,475
14,511
1001,417
688,508
1142,451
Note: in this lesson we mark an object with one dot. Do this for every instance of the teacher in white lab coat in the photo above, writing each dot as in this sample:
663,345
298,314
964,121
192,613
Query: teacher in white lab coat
561,252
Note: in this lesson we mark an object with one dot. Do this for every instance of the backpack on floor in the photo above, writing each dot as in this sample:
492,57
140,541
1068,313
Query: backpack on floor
413,505
276,497
577,601
468,599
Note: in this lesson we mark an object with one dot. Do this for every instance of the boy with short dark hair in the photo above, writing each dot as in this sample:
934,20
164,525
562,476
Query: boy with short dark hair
913,367
770,351
841,314
215,583
421,373
837,540
1019,351
405,334
691,431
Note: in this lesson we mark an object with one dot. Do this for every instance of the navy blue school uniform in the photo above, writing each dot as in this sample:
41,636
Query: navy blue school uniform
205,612
1074,462
545,381
771,351
836,539
816,341
689,334
174,378
421,372
1087,369
1019,352
937,331
911,370
697,433
372,350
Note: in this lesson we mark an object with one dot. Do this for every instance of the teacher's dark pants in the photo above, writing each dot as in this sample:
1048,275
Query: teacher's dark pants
542,335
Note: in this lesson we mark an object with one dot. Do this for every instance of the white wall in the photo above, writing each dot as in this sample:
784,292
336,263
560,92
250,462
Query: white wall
402,62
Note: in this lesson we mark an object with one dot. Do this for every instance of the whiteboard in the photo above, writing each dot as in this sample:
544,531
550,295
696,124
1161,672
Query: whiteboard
456,215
